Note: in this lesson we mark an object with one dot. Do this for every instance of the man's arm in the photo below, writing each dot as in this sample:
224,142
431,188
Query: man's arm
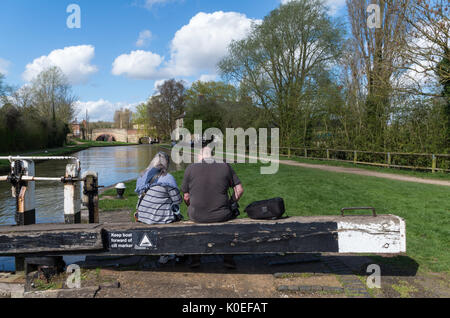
187,199
185,186
238,192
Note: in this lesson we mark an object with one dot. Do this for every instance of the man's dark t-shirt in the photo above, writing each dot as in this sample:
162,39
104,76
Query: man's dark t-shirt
207,185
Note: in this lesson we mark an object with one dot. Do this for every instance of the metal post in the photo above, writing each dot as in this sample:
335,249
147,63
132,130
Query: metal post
434,164
24,192
90,195
72,200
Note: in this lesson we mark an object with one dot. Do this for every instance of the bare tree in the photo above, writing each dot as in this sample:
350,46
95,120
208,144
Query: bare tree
52,96
429,45
378,51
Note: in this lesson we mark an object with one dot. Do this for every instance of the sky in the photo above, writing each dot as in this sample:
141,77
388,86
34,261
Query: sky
124,48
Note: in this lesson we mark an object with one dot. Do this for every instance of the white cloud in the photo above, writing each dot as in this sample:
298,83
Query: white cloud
144,38
201,44
74,61
195,49
4,66
334,5
138,65
208,77
101,110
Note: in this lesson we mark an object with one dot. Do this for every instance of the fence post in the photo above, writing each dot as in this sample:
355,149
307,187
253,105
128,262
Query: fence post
389,159
72,200
289,152
90,195
355,157
433,165
306,153
24,192
328,154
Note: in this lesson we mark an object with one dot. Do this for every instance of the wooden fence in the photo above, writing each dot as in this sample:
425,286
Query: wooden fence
415,161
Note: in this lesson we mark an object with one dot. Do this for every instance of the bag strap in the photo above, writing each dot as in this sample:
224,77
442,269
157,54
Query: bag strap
141,197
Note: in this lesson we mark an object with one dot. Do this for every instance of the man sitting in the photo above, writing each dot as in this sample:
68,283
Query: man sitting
205,187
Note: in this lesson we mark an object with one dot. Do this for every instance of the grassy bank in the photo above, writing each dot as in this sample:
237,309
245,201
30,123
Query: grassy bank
62,151
307,192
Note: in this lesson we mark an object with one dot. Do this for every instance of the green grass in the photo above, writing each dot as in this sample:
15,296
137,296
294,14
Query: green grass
309,192
404,289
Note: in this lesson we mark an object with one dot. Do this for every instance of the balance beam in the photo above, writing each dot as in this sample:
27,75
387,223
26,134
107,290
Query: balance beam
384,234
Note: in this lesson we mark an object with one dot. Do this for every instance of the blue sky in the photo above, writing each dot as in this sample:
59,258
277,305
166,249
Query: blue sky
124,47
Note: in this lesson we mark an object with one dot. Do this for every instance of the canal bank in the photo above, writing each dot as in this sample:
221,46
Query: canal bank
113,164
61,151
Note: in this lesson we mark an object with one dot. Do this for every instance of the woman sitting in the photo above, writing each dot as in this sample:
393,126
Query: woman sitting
159,196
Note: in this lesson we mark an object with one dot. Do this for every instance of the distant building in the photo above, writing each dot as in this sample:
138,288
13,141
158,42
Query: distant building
75,128
79,130
179,124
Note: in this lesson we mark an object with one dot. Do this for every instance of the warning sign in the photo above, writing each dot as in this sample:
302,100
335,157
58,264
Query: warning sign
130,241
145,242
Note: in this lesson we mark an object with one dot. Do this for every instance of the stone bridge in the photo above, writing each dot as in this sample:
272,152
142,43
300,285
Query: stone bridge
122,135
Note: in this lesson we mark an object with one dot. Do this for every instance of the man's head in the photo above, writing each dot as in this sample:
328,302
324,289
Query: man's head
205,153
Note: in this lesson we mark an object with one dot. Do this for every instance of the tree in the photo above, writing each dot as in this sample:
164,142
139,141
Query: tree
208,111
2,85
52,95
379,53
218,91
165,107
429,31
443,69
429,53
279,61
54,102
142,118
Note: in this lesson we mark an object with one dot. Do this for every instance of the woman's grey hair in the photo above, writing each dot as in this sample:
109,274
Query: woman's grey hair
160,161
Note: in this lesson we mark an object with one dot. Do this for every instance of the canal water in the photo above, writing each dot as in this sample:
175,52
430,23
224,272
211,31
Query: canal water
113,165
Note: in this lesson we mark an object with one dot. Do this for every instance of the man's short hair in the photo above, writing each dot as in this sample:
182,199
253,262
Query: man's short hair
207,152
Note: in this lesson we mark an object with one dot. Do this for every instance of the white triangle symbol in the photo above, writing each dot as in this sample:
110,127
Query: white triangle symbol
145,242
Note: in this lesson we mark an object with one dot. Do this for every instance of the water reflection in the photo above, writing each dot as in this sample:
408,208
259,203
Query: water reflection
113,164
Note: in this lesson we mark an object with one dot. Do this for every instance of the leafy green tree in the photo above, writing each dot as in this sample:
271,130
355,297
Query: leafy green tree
278,61
206,110
166,106
142,118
